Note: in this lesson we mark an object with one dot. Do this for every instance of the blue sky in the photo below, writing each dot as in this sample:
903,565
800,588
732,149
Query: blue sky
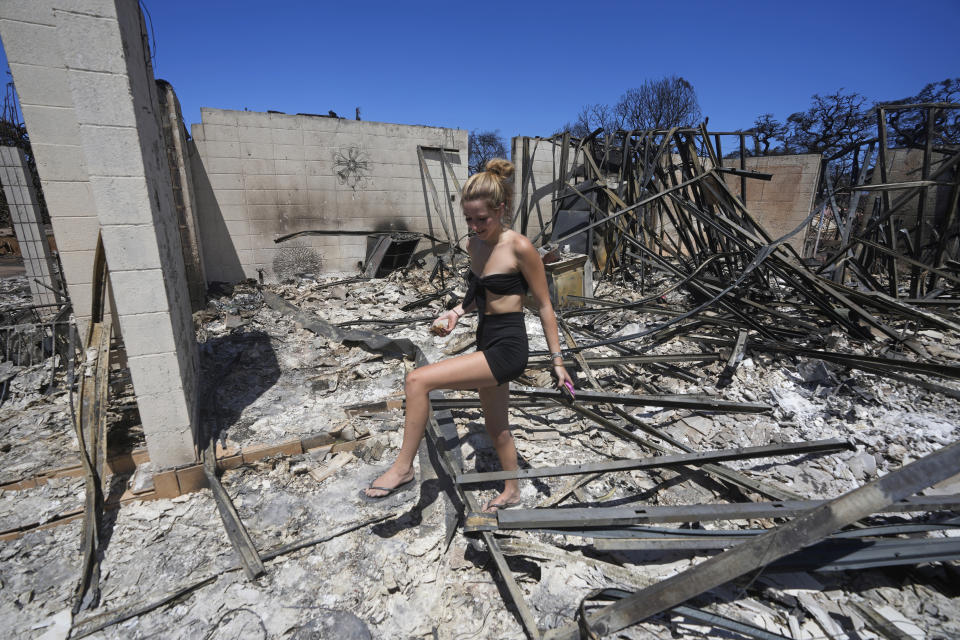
528,67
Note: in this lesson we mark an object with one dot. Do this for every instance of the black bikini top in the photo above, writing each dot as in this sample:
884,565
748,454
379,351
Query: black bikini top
498,283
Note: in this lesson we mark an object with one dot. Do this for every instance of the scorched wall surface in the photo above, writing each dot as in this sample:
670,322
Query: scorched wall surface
259,176
781,203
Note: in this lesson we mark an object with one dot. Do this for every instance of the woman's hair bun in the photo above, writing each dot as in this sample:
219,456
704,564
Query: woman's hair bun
500,167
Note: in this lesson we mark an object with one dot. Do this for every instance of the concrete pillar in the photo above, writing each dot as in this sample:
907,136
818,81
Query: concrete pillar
28,227
89,100
104,46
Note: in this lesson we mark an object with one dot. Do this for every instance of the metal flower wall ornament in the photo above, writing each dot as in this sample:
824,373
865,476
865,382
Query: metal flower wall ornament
352,166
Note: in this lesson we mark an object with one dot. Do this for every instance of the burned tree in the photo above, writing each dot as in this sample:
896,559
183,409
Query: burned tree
767,129
834,125
591,118
483,147
659,104
909,128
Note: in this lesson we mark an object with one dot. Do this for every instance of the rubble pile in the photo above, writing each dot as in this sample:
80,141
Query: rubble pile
14,293
35,427
398,577
22,336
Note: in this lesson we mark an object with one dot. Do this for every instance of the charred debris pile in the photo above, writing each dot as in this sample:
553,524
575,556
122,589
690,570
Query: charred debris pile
682,261
762,444
708,343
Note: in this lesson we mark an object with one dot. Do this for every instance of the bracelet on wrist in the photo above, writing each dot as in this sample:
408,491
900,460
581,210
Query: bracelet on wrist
459,315
555,355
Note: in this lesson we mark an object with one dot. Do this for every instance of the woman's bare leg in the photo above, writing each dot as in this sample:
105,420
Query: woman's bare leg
469,371
495,402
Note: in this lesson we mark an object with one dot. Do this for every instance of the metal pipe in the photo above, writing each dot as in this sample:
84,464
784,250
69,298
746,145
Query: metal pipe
656,462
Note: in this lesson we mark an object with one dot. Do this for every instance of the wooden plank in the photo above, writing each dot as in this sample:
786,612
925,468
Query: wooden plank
338,462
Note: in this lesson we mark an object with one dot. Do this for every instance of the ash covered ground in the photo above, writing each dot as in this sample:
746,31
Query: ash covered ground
270,380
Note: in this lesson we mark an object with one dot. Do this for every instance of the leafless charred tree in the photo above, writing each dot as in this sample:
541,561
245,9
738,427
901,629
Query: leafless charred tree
768,129
483,146
834,123
592,117
659,104
909,128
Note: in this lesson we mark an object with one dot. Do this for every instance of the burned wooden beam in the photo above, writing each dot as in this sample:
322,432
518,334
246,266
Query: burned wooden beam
348,232
744,173
90,426
716,470
646,532
857,360
829,555
237,533
852,360
441,429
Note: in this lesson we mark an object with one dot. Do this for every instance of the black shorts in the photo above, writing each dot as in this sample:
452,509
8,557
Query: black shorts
502,338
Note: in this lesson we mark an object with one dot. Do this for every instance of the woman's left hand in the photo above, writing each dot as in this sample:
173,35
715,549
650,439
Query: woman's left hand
446,323
562,376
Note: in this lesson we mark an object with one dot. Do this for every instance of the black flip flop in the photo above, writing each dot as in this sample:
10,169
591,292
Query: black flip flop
493,508
400,488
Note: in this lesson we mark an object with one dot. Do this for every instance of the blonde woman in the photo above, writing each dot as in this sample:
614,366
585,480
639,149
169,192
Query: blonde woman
503,266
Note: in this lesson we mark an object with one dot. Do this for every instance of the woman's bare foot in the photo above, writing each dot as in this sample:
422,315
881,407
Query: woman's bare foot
505,500
390,480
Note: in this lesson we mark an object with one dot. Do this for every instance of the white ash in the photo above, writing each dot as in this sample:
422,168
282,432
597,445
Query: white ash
397,577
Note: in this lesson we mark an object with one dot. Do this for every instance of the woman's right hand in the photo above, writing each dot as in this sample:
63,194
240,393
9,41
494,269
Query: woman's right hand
445,323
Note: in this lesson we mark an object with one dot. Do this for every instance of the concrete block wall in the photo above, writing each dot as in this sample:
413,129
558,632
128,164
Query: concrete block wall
28,227
906,165
181,178
29,35
259,176
782,203
89,99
